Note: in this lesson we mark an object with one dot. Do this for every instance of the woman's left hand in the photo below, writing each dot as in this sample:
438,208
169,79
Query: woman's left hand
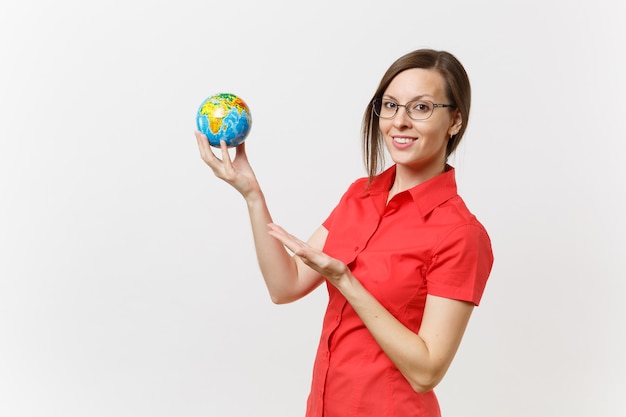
332,269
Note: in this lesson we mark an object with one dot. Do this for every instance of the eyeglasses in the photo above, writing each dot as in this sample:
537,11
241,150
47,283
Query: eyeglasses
417,109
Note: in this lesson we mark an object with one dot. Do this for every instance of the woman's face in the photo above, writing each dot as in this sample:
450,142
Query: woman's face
418,145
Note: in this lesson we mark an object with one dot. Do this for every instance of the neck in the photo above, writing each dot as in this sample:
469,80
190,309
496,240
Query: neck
407,178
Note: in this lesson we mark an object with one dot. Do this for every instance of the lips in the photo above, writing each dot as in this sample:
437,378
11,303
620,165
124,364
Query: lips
403,140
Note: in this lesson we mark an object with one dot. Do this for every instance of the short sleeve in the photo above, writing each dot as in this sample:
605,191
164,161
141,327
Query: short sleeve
461,264
355,188
328,223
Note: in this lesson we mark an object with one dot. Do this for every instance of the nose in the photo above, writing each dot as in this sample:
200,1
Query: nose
401,119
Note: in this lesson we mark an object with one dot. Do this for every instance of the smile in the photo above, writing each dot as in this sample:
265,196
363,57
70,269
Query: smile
403,140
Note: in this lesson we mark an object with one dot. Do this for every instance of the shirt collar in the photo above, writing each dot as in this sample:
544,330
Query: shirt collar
426,196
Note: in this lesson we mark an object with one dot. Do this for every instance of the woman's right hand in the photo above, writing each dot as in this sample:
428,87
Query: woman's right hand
238,172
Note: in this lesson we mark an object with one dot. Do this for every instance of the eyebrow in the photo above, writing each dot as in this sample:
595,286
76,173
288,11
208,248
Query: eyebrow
419,97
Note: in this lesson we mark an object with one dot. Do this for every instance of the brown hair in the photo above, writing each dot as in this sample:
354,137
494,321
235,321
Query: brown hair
458,93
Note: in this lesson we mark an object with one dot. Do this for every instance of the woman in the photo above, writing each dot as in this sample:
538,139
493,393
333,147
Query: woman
404,260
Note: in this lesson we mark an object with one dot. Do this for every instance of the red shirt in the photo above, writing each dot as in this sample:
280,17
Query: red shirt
424,241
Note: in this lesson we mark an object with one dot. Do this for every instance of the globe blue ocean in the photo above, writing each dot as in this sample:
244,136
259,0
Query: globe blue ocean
224,117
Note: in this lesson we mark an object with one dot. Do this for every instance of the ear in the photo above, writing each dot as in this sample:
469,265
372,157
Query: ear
457,122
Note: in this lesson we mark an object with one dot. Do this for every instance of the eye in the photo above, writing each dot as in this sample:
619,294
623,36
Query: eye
388,104
420,107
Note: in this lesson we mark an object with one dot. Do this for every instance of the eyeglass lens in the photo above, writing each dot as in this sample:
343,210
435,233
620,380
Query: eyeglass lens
417,110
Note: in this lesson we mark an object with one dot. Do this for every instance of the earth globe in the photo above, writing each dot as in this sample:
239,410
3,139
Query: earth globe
224,117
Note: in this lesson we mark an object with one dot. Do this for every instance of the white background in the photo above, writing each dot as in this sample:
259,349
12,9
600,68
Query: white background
128,280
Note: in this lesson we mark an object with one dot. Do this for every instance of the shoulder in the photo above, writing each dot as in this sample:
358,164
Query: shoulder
359,186
349,196
457,212
464,235
456,223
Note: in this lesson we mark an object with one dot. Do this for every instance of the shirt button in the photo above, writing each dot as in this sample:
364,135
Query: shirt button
356,248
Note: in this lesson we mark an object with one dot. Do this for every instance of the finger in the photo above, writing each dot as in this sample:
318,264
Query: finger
202,141
314,258
291,242
228,163
279,231
205,148
240,152
317,260
281,235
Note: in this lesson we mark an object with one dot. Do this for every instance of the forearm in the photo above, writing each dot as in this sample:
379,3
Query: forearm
278,267
422,359
407,350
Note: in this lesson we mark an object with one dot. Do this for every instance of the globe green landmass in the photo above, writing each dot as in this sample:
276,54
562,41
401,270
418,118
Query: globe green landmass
224,117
